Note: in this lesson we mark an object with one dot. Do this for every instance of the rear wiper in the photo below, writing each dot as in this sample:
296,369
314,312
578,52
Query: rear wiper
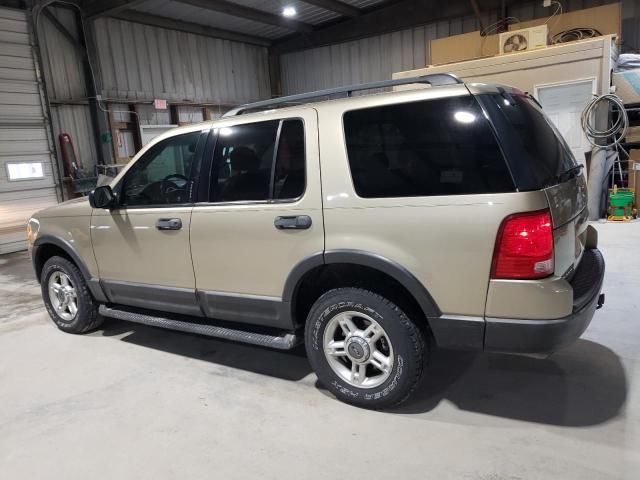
534,100
563,177
571,173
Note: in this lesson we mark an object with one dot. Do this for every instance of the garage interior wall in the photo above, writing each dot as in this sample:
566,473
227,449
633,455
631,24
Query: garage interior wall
66,85
140,62
137,63
369,59
377,57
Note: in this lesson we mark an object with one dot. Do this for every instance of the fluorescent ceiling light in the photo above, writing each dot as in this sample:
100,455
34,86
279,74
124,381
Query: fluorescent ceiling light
289,12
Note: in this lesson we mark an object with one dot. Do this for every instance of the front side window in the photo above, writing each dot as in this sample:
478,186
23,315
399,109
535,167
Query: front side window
249,166
163,175
435,147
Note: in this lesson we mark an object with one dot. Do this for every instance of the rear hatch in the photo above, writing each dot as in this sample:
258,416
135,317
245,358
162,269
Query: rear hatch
540,159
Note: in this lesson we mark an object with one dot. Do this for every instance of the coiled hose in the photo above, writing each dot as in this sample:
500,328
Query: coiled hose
612,136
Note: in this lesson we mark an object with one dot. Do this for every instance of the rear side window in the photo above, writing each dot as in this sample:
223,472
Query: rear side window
258,162
435,147
289,176
537,153
242,162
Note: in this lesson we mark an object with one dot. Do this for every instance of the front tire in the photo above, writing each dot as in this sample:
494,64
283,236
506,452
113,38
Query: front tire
363,348
67,298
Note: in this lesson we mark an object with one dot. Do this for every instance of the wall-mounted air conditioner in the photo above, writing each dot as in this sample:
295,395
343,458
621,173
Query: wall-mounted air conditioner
524,40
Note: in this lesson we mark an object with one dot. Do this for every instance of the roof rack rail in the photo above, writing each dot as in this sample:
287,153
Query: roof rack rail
435,79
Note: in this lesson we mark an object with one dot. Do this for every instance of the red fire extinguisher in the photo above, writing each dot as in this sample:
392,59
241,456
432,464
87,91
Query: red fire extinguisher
71,163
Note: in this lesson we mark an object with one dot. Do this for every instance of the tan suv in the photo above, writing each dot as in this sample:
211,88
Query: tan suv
367,227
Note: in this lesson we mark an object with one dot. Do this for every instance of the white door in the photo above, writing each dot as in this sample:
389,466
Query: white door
564,103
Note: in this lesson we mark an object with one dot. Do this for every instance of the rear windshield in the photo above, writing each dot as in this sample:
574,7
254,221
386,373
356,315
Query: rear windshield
435,147
537,153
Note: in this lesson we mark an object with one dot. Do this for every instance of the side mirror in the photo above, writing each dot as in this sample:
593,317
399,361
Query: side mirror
102,197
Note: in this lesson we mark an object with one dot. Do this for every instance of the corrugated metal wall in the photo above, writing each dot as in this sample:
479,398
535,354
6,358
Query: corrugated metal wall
376,58
76,121
65,82
368,59
140,62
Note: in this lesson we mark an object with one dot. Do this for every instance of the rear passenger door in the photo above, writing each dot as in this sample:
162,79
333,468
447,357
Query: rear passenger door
261,215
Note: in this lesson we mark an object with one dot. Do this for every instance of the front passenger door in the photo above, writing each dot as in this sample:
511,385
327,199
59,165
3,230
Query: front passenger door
142,246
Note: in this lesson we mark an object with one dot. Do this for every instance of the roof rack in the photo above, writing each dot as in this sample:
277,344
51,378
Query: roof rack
436,79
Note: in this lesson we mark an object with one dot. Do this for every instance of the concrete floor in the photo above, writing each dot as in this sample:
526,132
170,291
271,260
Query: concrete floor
136,402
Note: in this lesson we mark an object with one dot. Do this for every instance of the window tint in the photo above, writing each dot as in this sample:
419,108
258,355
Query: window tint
163,174
435,147
536,150
243,165
289,178
242,162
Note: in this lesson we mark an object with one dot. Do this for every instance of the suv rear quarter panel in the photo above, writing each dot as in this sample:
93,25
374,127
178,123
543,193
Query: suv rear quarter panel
549,298
446,242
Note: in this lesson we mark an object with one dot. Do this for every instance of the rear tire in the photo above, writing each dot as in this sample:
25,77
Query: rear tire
67,298
363,348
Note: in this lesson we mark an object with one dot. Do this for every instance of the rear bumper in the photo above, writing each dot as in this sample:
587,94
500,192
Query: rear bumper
546,336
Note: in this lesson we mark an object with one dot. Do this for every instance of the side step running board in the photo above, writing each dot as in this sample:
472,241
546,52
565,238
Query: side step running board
286,341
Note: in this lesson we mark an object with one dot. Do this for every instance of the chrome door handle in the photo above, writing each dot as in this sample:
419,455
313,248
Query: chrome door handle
296,222
168,224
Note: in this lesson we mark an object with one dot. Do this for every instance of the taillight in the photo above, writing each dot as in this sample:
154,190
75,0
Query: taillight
524,247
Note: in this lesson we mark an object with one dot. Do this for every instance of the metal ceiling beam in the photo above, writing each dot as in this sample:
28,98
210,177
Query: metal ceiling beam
336,6
390,18
65,33
236,10
169,23
96,9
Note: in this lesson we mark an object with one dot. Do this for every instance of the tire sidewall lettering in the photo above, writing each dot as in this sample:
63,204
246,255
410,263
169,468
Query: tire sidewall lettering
316,344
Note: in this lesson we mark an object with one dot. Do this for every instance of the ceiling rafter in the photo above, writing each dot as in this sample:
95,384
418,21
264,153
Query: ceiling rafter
389,17
169,23
64,31
97,9
336,6
240,11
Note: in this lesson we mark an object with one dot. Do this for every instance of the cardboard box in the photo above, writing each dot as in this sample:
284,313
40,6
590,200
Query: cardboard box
628,85
633,135
458,48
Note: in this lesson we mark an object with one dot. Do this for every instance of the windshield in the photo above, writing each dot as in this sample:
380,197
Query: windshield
537,153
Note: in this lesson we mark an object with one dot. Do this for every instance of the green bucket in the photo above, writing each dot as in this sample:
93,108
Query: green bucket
621,201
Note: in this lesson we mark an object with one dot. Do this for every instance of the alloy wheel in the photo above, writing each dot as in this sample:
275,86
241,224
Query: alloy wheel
63,296
358,349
